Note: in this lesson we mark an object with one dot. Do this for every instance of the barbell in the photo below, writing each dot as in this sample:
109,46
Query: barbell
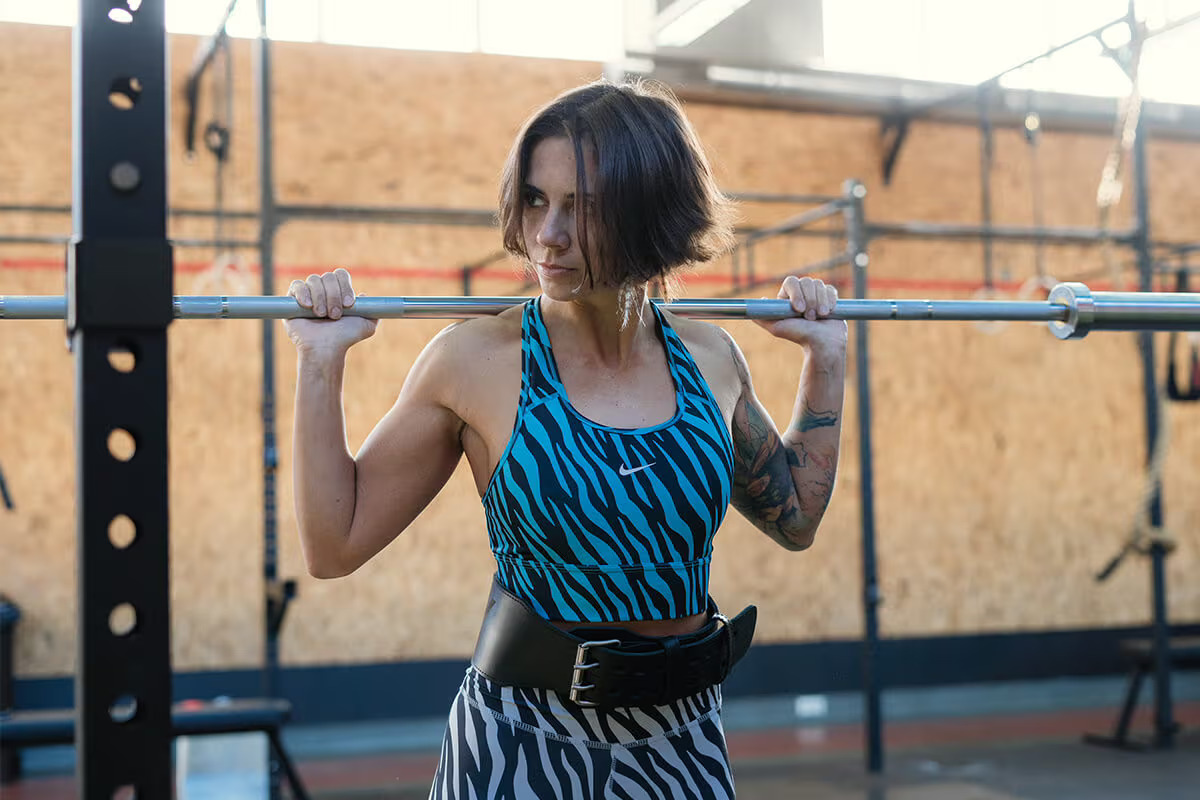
1072,310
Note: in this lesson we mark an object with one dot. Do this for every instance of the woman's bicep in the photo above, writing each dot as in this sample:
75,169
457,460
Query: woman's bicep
401,467
406,460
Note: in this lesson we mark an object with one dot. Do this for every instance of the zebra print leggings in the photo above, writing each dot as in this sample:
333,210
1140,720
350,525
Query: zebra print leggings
513,744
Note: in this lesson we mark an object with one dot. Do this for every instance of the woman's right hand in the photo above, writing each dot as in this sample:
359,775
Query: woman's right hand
327,295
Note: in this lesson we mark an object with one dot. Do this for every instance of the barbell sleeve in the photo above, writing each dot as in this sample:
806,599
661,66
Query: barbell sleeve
1072,310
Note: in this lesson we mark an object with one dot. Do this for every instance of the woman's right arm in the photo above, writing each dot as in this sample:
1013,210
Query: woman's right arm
348,507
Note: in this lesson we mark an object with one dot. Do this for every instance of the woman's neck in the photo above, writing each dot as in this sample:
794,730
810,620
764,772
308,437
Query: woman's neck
603,324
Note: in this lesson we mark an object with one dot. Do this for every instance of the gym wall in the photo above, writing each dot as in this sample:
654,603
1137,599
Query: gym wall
1008,464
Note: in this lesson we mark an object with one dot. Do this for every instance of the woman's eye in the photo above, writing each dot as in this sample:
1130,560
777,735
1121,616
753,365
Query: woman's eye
534,200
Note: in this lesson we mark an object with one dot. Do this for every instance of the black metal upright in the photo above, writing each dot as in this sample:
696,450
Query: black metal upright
987,157
1164,722
277,593
119,289
269,224
856,232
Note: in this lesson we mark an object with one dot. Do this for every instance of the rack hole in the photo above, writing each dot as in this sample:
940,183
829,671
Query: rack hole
121,532
121,444
123,709
125,176
122,620
122,358
124,93
121,15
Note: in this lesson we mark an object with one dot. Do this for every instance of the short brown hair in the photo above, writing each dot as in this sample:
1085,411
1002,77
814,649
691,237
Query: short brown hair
657,206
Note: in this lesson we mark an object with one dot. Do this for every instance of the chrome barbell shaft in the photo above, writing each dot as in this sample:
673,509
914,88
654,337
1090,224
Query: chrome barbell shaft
1072,310
216,307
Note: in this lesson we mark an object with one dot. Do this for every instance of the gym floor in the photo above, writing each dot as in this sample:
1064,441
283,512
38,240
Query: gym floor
1031,756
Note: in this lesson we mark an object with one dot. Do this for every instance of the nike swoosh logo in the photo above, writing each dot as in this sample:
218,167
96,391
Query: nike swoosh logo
624,470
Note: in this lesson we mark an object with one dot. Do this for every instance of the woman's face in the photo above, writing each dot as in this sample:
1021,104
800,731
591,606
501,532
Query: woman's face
549,223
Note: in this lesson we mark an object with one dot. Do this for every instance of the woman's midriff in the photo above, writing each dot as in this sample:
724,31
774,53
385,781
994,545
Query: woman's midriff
645,627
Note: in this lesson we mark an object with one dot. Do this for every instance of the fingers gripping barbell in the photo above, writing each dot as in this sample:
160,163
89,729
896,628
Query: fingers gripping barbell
1072,310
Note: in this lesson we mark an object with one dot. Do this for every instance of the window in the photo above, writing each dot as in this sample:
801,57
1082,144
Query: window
967,42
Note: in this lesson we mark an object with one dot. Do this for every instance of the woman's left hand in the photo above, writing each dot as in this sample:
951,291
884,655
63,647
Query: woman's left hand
813,300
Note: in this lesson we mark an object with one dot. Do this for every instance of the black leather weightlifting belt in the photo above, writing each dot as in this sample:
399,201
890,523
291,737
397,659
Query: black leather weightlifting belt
606,667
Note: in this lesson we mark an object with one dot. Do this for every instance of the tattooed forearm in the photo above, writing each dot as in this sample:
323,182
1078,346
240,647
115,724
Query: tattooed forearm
783,484
763,488
810,419
814,486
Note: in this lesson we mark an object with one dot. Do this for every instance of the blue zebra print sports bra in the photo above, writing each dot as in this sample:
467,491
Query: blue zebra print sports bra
590,523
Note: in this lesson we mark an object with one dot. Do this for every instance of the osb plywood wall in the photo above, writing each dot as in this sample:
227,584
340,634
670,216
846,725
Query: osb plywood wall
1007,464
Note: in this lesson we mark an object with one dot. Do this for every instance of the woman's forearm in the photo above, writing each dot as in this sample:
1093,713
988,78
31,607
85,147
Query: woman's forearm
323,470
814,434
782,483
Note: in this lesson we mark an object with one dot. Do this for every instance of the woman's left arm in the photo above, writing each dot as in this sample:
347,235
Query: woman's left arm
782,483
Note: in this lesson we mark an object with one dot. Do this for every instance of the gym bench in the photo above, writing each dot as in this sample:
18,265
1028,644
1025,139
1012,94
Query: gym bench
57,727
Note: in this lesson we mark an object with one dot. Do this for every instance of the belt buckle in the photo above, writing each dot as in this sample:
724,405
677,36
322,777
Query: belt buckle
580,667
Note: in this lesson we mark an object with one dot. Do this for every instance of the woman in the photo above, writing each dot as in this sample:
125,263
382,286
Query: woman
606,438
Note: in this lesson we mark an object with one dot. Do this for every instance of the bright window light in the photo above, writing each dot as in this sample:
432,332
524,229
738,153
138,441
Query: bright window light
1115,36
570,29
951,41
292,20
693,19
40,12
413,24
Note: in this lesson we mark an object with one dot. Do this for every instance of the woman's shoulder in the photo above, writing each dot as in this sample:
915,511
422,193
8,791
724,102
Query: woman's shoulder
480,338
703,337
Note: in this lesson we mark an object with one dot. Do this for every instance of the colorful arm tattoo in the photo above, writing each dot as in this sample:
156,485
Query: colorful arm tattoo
782,486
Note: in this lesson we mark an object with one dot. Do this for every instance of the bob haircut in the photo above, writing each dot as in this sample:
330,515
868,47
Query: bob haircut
656,205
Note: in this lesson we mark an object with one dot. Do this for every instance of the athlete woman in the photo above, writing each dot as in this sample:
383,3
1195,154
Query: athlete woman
606,438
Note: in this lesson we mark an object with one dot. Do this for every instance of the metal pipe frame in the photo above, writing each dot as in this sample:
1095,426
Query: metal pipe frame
270,220
469,269
217,244
956,97
796,222
798,199
1164,722
287,212
895,125
856,247
400,214
1009,233
275,593
833,262
482,218
21,208
986,158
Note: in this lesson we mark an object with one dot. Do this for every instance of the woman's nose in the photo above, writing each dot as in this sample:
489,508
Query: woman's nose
553,231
